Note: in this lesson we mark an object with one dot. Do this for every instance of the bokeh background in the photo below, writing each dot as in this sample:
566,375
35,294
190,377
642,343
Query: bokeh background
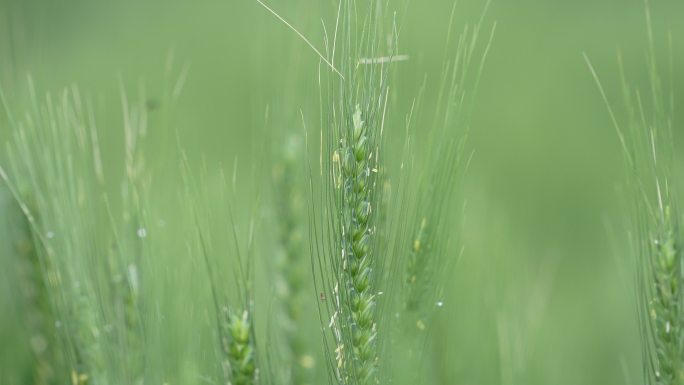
544,291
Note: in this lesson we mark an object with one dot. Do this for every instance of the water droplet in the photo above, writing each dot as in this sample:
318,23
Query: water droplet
667,327
50,235
58,324
381,292
142,233
440,304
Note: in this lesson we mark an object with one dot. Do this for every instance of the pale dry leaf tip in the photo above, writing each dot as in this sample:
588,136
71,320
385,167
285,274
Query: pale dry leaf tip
383,59
3,175
180,82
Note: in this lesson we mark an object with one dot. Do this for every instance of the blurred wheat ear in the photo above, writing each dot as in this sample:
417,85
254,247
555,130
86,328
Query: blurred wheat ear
647,139
430,244
89,271
33,299
293,262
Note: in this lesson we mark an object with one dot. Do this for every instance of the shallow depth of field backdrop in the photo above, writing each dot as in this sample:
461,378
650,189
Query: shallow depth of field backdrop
543,293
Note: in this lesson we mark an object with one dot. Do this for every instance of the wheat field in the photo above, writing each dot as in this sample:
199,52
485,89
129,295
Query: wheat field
347,192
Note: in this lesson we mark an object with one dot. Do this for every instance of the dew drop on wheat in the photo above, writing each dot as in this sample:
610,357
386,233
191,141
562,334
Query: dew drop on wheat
50,234
142,233
440,304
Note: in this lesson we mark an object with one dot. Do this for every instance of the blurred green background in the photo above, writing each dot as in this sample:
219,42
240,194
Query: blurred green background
544,292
